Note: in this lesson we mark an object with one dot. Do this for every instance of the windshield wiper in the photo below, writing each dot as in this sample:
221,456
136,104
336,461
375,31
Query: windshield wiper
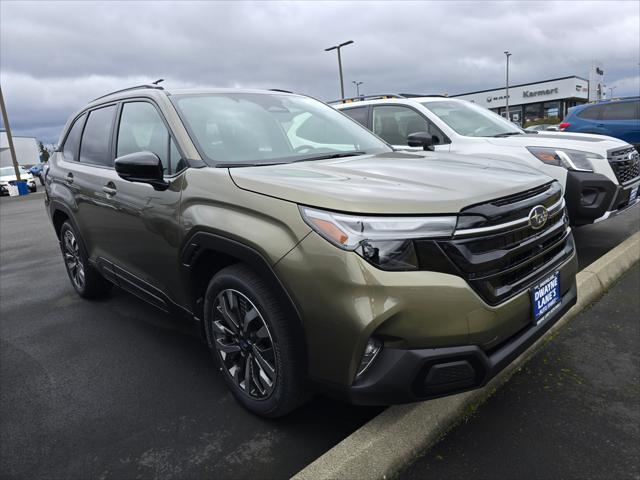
246,164
329,156
507,134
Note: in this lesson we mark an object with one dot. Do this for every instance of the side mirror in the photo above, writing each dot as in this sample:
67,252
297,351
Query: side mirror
142,167
420,139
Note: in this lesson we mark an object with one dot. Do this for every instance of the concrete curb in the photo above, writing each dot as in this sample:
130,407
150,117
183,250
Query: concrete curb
390,441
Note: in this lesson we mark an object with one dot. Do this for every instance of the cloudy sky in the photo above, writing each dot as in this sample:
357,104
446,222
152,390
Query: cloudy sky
55,56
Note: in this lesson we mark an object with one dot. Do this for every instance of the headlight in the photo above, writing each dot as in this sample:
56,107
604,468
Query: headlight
384,241
570,159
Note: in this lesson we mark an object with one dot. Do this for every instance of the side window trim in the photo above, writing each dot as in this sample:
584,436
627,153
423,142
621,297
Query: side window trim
170,135
411,107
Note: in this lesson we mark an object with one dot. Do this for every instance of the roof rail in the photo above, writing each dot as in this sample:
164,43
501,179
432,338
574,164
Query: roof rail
137,87
367,97
415,95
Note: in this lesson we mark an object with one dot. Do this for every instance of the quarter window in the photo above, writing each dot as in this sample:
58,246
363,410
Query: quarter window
71,144
395,123
95,145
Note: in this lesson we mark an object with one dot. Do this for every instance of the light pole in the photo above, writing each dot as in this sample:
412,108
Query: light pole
338,47
12,150
357,84
611,89
508,54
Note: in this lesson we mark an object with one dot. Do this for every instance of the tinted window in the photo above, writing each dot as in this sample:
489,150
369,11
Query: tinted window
395,123
71,144
96,136
359,114
620,111
590,113
142,129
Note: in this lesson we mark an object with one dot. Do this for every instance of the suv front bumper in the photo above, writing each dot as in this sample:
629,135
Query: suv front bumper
592,197
402,376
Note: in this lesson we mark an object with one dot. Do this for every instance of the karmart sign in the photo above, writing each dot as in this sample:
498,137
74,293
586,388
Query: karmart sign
539,93
547,91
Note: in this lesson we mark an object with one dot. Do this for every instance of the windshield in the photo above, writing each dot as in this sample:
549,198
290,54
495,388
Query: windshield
470,120
255,128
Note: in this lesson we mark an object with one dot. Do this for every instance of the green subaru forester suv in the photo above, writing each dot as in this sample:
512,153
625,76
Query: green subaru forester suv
313,256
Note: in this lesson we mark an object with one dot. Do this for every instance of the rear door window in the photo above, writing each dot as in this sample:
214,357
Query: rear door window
620,111
95,147
590,113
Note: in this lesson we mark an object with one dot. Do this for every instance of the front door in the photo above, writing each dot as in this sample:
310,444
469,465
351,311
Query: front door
134,228
394,123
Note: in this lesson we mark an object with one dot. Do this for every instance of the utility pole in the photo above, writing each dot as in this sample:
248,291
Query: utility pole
357,84
5,120
338,47
508,54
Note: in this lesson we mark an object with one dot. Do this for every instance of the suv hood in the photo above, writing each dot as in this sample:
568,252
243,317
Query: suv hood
390,183
575,141
12,177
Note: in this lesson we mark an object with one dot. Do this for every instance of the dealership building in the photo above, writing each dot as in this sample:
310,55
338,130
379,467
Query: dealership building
532,101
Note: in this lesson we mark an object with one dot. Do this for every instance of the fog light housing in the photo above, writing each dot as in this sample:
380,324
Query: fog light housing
370,353
588,196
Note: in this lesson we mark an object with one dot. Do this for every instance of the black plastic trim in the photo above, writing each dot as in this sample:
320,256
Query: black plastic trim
603,188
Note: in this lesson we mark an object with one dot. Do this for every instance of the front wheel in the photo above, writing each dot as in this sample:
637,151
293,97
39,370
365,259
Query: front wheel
253,342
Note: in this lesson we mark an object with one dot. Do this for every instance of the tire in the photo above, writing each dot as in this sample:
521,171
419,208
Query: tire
85,279
262,344
33,189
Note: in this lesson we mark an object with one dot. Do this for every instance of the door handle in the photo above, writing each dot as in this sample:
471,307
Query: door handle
109,189
69,178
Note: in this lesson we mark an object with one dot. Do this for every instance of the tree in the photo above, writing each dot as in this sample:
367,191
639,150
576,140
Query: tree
44,153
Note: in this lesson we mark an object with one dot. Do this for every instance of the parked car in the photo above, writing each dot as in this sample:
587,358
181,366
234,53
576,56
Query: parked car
542,127
38,171
8,177
312,255
600,175
618,118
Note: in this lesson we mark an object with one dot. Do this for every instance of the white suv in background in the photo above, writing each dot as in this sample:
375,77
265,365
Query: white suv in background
600,175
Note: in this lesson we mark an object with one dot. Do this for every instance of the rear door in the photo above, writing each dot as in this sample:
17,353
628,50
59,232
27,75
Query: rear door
393,123
622,120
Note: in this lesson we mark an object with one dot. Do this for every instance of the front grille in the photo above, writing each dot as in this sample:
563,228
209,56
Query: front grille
625,164
500,262
518,197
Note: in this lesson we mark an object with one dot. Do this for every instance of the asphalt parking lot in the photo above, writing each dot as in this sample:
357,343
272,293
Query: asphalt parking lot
115,389
572,412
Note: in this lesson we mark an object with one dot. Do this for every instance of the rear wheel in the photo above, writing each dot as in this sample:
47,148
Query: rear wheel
252,339
84,278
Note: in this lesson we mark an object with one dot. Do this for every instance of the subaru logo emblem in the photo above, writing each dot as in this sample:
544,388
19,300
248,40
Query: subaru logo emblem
538,217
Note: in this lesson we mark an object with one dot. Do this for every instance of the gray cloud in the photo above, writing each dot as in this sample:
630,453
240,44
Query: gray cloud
55,56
